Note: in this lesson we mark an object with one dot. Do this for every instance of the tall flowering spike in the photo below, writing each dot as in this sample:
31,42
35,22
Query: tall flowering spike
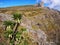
40,3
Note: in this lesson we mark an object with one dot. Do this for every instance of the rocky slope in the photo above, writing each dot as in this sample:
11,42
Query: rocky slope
43,24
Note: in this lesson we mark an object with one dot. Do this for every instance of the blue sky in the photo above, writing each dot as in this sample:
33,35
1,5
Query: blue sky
55,4
8,3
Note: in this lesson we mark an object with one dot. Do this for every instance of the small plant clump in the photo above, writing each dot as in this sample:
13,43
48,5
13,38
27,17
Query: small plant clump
12,34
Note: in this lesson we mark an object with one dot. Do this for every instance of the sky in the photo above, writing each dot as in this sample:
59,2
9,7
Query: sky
8,3
55,4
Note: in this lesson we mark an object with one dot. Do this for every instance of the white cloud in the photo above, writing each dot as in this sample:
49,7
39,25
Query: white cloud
53,3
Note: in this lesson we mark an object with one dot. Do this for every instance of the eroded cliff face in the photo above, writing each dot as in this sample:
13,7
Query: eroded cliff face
43,25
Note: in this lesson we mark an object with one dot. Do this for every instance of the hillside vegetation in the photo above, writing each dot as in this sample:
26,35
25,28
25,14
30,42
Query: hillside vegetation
42,24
